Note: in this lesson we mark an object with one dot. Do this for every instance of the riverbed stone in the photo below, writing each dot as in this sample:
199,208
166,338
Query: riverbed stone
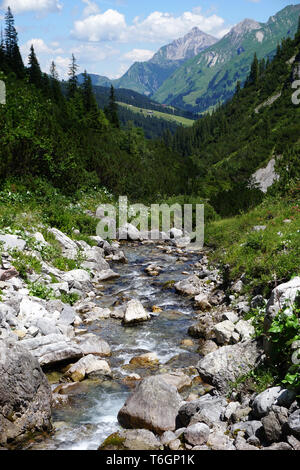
153,405
294,423
86,366
135,439
191,286
272,396
178,379
25,395
135,313
197,434
224,366
274,423
223,332
92,344
145,360
214,407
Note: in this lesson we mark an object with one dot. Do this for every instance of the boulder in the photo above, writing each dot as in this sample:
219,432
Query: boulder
86,366
274,423
135,313
11,242
77,275
135,439
106,275
65,242
224,366
284,294
52,349
190,286
25,395
6,274
129,232
272,396
92,344
209,405
197,434
67,315
202,302
153,405
245,329
145,360
223,332
177,379
294,423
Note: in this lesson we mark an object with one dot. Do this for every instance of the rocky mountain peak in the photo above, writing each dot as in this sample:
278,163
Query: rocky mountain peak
243,27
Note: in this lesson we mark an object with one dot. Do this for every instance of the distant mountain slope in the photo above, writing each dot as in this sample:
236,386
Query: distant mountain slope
211,76
147,77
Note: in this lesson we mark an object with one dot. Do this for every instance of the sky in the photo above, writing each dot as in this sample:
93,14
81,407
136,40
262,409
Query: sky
108,36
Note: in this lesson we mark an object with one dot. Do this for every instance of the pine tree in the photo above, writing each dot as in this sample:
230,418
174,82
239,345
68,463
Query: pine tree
238,88
11,45
89,100
34,70
112,109
254,73
54,84
73,80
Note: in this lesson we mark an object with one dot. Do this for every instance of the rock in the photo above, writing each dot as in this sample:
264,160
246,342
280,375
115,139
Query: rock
257,301
94,259
129,232
47,326
167,437
145,360
284,294
274,423
65,242
59,401
245,330
241,444
92,344
7,274
225,365
11,242
203,329
135,313
202,302
77,275
52,349
191,286
210,414
97,313
176,233
153,405
230,410
207,347
210,406
293,442
238,287
177,379
223,332
25,395
231,316
279,446
67,316
218,440
137,439
86,366
272,396
175,445
106,275
294,423
197,434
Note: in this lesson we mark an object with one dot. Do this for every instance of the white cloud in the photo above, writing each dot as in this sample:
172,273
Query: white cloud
157,27
22,6
40,48
108,26
92,53
91,8
138,55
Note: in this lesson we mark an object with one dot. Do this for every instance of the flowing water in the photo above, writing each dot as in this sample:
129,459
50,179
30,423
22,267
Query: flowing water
92,415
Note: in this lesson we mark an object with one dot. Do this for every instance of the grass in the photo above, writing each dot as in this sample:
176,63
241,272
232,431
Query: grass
167,117
266,257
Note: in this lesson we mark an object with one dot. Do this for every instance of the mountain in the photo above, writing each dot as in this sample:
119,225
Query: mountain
211,77
147,77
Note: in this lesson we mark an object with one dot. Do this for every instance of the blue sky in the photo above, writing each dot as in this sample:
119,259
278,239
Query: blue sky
108,36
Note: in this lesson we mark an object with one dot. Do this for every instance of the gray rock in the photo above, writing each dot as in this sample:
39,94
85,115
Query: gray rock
12,242
294,423
153,405
52,349
293,442
106,275
231,316
274,423
190,286
272,396
135,313
225,365
136,439
219,439
223,332
46,326
67,315
207,403
167,437
197,434
25,395
241,444
65,242
92,344
245,330
257,301
279,446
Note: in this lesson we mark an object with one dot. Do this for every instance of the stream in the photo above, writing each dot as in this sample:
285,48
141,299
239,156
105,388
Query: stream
94,404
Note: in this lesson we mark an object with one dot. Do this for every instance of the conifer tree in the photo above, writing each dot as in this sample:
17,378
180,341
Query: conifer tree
112,109
34,70
11,45
54,84
73,81
254,73
89,100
